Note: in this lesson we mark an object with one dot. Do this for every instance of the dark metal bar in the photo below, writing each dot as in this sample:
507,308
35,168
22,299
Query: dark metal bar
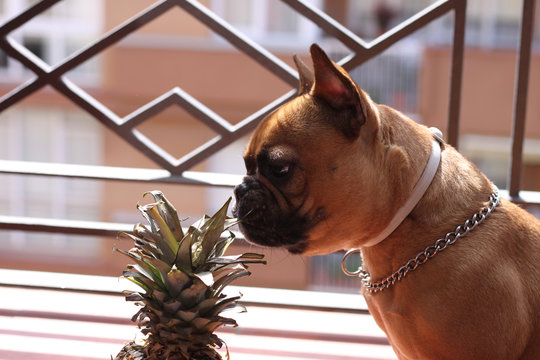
62,226
21,92
24,56
202,152
31,62
72,227
135,138
456,73
100,112
520,99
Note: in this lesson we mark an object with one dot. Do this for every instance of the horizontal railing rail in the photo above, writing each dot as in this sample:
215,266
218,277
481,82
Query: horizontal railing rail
129,174
253,296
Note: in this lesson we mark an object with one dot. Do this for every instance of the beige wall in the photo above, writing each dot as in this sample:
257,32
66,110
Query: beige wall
225,80
488,91
173,22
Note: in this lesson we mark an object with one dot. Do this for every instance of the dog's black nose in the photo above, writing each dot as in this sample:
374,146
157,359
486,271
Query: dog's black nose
240,190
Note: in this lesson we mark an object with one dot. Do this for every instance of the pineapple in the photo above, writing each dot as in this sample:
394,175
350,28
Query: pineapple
182,276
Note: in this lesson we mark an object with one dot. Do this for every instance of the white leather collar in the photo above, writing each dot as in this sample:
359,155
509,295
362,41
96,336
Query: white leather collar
418,190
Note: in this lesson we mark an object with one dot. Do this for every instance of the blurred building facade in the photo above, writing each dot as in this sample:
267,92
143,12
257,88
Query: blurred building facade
177,50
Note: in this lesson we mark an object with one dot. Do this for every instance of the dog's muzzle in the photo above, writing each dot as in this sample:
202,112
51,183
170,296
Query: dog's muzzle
251,199
263,222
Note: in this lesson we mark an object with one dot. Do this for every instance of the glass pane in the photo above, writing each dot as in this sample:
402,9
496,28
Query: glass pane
74,44
39,128
239,12
5,135
37,46
281,18
83,140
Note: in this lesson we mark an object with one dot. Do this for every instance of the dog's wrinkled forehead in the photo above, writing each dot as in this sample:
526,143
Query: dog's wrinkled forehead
269,133
290,123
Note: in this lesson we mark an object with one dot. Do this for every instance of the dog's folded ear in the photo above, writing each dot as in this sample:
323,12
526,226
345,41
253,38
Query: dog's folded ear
305,74
335,86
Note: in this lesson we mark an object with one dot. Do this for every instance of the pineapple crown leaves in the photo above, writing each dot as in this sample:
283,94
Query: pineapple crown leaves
189,266
198,250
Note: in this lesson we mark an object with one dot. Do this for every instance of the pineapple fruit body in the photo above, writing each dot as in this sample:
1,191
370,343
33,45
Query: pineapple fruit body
181,276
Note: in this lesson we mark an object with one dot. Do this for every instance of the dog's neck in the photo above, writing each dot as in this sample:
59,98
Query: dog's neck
466,190
417,193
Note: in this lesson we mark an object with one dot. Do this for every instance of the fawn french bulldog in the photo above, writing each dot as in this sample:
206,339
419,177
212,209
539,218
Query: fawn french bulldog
332,170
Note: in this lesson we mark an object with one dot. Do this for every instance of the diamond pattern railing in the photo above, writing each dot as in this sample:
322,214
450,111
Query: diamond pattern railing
177,170
227,133
125,127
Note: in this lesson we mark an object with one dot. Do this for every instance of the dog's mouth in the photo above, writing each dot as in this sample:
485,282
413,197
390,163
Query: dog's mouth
261,225
295,242
264,223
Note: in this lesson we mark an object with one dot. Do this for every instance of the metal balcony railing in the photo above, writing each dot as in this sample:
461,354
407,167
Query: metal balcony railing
179,170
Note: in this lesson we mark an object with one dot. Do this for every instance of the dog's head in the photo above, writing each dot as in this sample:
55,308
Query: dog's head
317,168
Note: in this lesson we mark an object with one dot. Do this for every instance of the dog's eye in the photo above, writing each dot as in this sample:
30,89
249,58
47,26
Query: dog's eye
280,171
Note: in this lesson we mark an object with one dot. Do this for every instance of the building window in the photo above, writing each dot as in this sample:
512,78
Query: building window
37,46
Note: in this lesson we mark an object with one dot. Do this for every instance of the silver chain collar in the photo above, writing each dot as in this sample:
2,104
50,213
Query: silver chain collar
423,256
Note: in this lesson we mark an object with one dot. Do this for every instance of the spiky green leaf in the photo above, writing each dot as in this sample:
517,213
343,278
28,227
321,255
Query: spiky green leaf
141,283
132,295
153,269
222,282
160,226
141,267
164,251
246,258
211,229
183,255
221,246
168,213
219,306
162,267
